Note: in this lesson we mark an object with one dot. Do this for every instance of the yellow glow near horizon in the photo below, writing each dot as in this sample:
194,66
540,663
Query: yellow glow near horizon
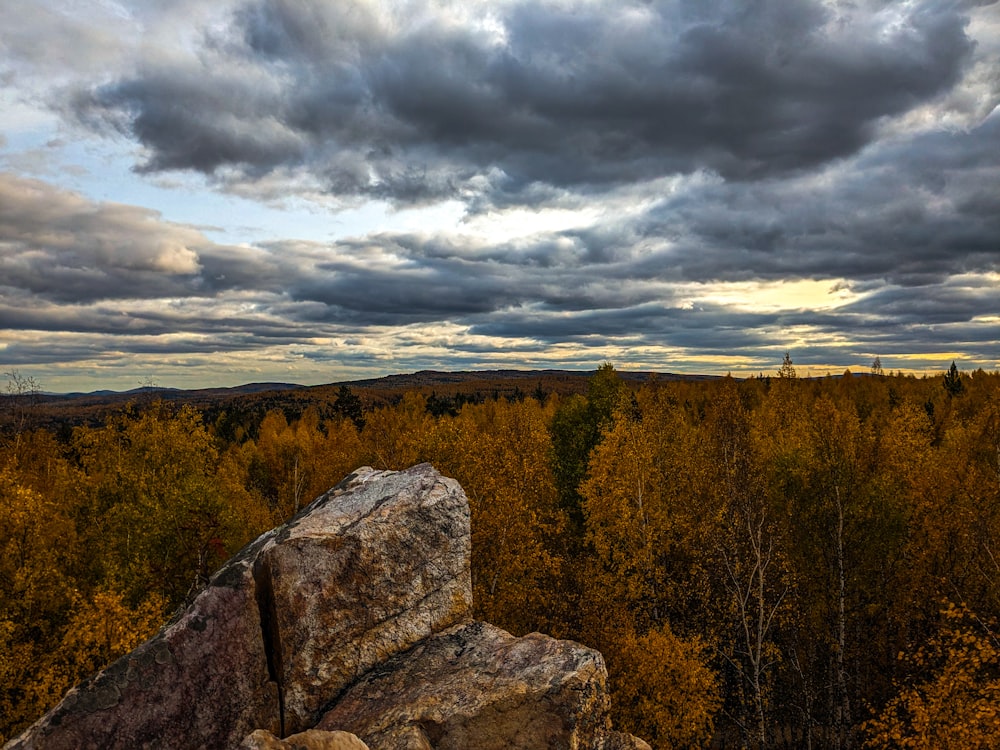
769,296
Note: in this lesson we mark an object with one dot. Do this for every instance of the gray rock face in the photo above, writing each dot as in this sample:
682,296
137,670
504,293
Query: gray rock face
355,616
476,686
311,739
201,682
370,570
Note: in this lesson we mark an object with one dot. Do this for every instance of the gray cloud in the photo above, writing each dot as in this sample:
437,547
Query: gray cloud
913,213
105,269
416,109
58,245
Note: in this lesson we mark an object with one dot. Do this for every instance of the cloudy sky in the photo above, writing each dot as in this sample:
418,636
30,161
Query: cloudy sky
213,193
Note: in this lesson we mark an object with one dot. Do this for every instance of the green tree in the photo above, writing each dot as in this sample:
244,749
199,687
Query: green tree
348,405
577,427
953,381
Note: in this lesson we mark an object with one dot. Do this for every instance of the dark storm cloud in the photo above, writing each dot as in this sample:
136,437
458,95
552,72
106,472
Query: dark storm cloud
415,107
913,213
122,348
188,124
655,324
131,321
950,303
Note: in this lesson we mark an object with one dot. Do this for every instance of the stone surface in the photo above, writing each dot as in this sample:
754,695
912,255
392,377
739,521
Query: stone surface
347,594
201,682
366,571
619,741
311,739
476,686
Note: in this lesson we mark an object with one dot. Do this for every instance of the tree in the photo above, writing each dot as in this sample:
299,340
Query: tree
348,405
953,381
877,367
498,451
21,400
393,435
752,563
838,468
645,535
957,704
787,369
663,688
646,568
155,519
577,428
37,556
100,629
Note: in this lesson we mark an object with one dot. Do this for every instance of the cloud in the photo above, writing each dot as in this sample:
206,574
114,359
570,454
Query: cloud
40,39
409,104
912,212
58,245
706,269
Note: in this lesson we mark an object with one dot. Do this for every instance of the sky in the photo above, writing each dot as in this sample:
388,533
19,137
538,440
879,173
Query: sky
202,194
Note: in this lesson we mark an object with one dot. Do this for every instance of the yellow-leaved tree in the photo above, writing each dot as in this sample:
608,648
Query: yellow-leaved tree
101,628
646,568
663,689
156,519
37,542
498,452
957,704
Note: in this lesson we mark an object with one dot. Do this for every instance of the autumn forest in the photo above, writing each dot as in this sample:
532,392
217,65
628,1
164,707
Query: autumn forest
777,562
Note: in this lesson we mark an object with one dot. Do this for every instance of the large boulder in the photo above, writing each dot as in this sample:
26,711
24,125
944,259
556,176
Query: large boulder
366,571
203,681
370,570
477,686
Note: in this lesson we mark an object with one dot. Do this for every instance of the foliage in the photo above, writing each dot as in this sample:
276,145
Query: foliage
154,514
664,690
957,705
577,427
36,589
497,452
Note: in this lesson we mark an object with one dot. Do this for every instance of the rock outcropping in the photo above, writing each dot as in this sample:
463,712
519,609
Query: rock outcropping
356,616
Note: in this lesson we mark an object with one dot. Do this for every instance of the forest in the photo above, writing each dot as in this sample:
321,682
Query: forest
776,562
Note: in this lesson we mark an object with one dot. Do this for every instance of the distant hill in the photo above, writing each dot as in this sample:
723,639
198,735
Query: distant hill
425,378
446,391
171,393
